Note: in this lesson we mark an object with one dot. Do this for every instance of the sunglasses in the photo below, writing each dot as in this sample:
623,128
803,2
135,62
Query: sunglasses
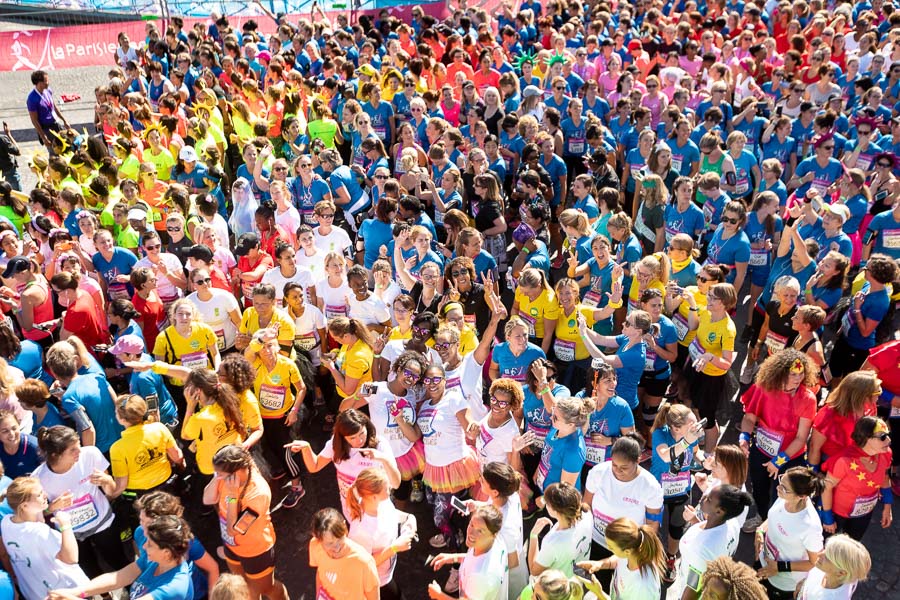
462,273
882,437
280,169
730,220
885,165
153,247
828,147
203,281
380,177
433,380
501,403
409,85
442,346
409,374
173,229
327,216
703,279
559,89
421,331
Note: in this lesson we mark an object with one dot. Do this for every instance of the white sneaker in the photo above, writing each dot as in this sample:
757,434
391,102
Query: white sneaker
751,524
438,541
452,585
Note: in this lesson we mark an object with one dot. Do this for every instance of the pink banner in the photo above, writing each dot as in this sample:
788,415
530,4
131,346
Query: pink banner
95,45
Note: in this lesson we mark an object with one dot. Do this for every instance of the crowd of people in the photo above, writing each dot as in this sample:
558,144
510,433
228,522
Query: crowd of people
601,284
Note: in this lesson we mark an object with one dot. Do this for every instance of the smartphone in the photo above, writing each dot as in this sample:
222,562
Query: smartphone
367,389
459,505
730,179
393,409
152,413
247,517
702,422
583,573
761,106
778,110
429,559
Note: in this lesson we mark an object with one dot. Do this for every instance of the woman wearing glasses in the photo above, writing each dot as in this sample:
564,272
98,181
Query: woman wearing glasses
497,431
855,477
307,189
729,244
818,172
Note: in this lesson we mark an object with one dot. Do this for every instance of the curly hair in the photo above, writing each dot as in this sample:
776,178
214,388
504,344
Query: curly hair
738,578
511,388
775,370
408,357
236,371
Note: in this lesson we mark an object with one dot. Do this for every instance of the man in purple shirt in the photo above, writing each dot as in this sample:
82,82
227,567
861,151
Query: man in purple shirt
41,108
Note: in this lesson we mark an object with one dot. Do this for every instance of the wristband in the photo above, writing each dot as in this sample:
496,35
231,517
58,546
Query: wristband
808,291
159,368
525,250
780,460
69,527
886,397
694,309
546,390
827,517
658,517
887,496
376,355
744,437
612,304
784,566
815,468
230,500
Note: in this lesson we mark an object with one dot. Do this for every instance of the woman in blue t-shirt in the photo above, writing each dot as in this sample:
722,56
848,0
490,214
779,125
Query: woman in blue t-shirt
819,171
763,229
729,244
631,352
610,420
513,357
564,449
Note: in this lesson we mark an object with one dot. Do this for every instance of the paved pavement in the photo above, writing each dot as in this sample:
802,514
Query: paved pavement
293,525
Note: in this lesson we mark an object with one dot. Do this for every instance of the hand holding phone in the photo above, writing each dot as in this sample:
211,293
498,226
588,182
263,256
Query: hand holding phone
459,505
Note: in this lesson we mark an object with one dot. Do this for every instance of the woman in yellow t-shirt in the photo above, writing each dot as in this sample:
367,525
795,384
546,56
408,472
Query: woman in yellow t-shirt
650,272
404,306
351,364
454,314
237,372
213,417
571,356
142,459
188,342
535,303
711,354
280,391
708,276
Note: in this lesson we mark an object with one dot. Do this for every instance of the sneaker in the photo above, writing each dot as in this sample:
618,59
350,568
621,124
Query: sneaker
293,497
438,541
669,576
418,491
751,524
452,585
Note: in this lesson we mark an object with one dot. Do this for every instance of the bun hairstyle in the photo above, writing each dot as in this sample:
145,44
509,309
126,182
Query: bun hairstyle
171,533
575,411
131,408
629,446
54,441
805,482
566,501
502,478
732,500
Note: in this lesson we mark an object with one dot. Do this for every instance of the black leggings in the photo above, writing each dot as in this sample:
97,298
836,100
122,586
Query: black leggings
675,508
392,591
275,436
104,551
855,527
764,487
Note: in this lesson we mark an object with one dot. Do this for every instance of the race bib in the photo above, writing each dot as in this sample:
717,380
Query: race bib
696,350
272,396
677,484
865,505
194,360
306,341
530,321
223,528
82,512
741,186
774,342
845,323
820,185
323,595
650,361
470,319
576,145
601,522
681,326
565,350
759,257
220,339
768,441
334,310
592,299
890,238
677,161
596,454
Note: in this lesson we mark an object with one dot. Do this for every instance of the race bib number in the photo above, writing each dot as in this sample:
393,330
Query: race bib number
774,342
596,454
576,145
865,505
272,396
820,185
768,441
565,350
82,512
530,321
890,238
220,339
194,360
681,326
601,522
650,361
306,342
696,350
592,299
677,161
759,257
677,484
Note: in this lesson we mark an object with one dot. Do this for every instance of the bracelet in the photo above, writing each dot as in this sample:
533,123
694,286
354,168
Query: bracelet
69,527
887,496
546,390
376,355
612,304
808,291
827,517
230,500
784,566
694,309
780,460
744,437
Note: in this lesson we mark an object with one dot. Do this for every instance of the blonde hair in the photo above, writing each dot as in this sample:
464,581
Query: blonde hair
658,264
556,586
849,556
230,587
131,408
853,392
576,219
532,277
514,322
21,490
368,483
575,411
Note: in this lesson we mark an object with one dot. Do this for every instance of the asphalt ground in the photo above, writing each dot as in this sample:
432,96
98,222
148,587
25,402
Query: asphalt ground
293,525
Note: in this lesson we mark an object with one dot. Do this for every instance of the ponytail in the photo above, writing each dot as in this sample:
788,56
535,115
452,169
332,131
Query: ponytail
647,547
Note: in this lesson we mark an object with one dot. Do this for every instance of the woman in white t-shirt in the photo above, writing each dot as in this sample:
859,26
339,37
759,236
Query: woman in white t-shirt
286,271
392,409
328,237
43,558
218,309
332,292
500,483
638,560
451,466
377,526
77,482
789,542
727,466
483,568
498,430
354,446
844,563
421,331
620,487
308,254
716,536
309,322
569,540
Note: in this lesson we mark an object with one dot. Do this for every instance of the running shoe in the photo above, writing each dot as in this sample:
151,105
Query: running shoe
438,541
293,497
452,585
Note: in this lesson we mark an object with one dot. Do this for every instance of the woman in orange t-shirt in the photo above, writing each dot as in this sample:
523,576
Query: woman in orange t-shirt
344,569
242,499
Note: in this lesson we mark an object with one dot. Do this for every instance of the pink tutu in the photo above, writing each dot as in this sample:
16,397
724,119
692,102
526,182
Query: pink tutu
413,462
456,476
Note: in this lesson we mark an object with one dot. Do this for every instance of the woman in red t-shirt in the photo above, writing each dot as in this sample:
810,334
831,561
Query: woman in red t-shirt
854,478
147,302
853,398
778,414
81,316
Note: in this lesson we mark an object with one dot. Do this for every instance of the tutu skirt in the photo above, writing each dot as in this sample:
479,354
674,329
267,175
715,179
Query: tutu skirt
413,462
455,477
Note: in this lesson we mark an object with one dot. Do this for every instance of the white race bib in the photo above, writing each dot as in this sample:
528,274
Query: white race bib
768,441
194,360
865,505
675,485
565,350
272,396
